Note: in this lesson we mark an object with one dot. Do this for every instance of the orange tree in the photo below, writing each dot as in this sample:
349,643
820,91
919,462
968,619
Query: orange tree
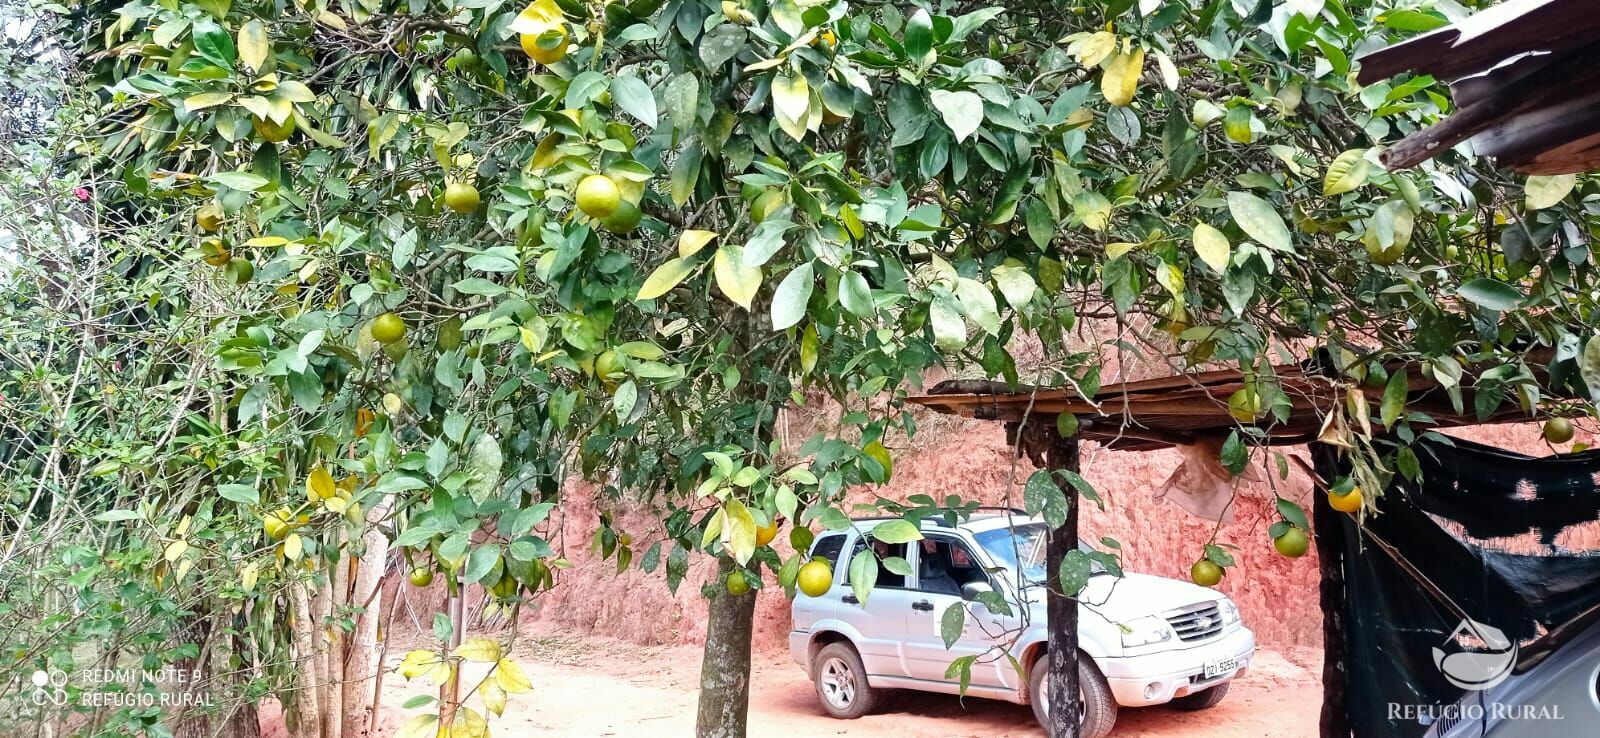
636,231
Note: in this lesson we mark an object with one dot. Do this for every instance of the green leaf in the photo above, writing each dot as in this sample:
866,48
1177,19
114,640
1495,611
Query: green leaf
897,565
1234,454
1040,494
244,181
206,100
213,44
1257,218
1076,567
1237,124
919,35
979,304
962,111
789,300
677,567
855,294
863,575
1394,398
483,467
961,669
949,330
720,45
1492,294
482,562
1347,172
1016,284
1543,192
1293,513
791,96
241,493
896,531
952,622
635,98
584,88
1212,247
664,278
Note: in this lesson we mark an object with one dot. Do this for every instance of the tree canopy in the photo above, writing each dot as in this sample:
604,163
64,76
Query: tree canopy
424,261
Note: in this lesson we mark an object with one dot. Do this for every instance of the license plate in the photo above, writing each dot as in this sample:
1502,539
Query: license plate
1218,667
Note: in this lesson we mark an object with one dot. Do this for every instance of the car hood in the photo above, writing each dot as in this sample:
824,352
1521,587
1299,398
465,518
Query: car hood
1120,599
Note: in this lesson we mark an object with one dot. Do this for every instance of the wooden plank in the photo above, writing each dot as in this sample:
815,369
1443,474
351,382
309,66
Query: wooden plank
1485,39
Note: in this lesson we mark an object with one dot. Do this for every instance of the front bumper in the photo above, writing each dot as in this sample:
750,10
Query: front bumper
1157,678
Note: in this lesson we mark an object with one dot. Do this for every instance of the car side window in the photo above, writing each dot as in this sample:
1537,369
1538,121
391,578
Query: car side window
827,548
945,565
886,579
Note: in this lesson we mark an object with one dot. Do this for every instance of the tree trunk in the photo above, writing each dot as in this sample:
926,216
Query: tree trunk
327,645
245,720
725,668
308,722
361,665
194,719
1061,611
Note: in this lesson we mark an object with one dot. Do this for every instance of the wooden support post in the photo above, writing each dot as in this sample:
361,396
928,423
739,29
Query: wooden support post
1062,682
1330,535
1040,442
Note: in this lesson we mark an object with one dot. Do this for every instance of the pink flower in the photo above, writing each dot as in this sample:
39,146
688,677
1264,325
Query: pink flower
82,194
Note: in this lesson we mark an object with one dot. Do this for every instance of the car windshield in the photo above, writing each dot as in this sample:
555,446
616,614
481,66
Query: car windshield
1022,543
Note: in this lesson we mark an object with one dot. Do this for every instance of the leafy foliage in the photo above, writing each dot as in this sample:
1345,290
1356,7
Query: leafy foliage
693,214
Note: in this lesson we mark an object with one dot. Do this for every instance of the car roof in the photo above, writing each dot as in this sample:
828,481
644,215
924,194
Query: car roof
981,521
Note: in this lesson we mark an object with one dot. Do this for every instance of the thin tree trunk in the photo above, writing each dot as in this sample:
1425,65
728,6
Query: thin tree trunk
309,722
725,668
327,654
1061,611
362,662
339,643
245,720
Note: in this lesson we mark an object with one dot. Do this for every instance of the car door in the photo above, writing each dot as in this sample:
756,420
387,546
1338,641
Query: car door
932,595
880,621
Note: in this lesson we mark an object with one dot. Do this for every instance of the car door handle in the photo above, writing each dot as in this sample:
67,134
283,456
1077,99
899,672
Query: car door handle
922,605
849,599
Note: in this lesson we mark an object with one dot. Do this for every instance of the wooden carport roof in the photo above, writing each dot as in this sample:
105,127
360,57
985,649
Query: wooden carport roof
1525,76
1177,410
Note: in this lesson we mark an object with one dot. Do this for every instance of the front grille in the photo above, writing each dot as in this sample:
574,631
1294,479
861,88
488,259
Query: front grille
1196,622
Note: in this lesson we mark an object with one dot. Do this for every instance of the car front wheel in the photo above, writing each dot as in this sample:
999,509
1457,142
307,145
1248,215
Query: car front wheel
841,682
1097,708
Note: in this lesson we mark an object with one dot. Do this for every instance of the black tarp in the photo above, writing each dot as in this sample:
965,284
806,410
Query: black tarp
1438,552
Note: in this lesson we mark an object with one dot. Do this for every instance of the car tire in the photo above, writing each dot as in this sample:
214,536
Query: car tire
841,682
1205,698
1099,707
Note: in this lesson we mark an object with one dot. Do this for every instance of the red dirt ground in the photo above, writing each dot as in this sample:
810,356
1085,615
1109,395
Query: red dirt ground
594,686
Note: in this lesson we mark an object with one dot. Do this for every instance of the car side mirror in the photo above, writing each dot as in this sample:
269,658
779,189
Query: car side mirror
971,590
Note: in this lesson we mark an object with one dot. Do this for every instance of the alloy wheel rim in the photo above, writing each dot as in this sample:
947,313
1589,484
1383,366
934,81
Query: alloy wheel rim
838,683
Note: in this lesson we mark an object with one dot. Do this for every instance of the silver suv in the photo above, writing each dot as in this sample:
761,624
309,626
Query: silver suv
1149,640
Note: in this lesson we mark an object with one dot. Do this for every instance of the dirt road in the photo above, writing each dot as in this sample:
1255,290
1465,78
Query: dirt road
592,687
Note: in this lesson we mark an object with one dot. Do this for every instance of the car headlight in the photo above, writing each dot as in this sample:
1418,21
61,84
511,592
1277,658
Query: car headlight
1230,611
1145,631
